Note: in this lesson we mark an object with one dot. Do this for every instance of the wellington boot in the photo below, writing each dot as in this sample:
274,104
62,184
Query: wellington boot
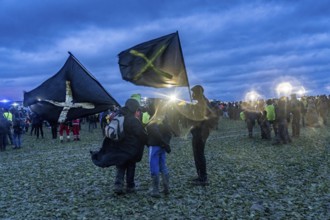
155,187
166,187
119,182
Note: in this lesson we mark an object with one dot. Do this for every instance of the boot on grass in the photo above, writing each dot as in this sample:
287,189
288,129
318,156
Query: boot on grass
155,187
165,180
119,182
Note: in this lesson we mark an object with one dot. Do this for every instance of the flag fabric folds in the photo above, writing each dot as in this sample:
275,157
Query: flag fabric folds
156,63
71,93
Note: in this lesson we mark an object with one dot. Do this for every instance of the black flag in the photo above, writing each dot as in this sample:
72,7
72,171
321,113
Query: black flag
157,63
71,93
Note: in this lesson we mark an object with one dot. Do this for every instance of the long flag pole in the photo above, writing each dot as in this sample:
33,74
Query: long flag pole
184,65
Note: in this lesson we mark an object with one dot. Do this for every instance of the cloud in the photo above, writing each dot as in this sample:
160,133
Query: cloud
229,47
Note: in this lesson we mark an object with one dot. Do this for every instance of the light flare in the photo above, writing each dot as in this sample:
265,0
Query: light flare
284,88
252,96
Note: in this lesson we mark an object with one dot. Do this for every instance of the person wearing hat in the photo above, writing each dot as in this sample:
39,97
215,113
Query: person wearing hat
200,132
125,153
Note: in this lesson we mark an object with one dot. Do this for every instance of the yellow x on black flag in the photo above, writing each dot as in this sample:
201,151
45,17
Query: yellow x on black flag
157,63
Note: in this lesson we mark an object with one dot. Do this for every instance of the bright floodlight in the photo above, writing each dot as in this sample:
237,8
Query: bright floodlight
301,91
284,88
172,98
252,96
4,100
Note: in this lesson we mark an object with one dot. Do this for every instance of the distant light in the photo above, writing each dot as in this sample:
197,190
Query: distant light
4,100
284,88
15,104
39,100
301,91
252,96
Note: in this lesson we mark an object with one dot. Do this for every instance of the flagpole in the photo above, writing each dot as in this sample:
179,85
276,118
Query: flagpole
184,65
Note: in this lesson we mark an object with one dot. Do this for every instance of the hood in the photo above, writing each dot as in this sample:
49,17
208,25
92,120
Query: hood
132,105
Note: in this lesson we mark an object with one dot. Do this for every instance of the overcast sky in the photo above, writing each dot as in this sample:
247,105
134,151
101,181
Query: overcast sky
229,47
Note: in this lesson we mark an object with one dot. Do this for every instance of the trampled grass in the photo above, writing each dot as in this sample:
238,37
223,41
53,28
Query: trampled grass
249,179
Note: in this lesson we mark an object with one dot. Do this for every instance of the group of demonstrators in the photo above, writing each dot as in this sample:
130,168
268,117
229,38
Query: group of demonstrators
17,121
12,126
156,134
154,126
278,114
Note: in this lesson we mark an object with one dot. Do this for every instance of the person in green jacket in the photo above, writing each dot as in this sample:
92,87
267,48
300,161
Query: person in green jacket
270,113
9,116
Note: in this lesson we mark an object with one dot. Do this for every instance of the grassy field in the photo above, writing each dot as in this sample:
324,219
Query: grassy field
249,179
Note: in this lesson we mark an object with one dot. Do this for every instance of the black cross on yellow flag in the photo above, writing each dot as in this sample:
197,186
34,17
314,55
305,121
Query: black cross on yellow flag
156,63
71,93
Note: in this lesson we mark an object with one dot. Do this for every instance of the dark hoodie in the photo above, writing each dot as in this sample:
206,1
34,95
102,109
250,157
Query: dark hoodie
130,148
159,133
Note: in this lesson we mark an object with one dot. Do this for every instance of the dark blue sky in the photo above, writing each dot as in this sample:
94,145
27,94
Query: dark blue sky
229,47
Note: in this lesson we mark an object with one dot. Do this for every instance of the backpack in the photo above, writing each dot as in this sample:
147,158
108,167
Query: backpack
115,129
18,125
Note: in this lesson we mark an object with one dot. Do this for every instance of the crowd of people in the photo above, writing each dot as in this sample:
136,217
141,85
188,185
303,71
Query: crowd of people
154,126
277,115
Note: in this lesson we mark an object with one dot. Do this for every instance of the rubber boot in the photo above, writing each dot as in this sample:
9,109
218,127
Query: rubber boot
119,182
155,187
165,180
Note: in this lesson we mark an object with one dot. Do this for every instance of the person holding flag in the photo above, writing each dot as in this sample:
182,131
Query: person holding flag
200,132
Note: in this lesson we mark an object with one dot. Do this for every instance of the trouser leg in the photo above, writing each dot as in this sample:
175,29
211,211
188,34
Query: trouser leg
199,157
130,175
119,180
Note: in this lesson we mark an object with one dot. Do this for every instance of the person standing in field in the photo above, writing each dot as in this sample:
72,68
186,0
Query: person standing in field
4,126
76,129
295,107
18,127
282,116
270,114
65,127
159,136
130,148
9,116
204,122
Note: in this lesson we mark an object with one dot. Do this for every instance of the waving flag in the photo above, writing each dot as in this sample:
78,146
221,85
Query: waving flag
157,63
71,93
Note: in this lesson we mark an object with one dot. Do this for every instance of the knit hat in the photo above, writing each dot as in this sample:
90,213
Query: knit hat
132,105
198,89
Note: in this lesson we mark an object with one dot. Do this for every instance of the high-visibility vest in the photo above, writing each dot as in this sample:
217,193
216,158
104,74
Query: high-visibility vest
270,109
8,115
145,118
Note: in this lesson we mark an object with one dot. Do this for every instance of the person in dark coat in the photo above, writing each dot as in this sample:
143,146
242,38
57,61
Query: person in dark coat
282,118
18,127
323,109
264,126
251,118
125,153
295,107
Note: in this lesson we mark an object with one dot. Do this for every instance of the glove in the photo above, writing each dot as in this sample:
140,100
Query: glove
167,149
